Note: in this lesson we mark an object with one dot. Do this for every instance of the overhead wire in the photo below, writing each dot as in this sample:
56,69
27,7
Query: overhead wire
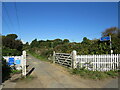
17,15
18,21
3,20
8,15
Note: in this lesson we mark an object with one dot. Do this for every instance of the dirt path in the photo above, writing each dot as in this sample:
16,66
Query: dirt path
54,76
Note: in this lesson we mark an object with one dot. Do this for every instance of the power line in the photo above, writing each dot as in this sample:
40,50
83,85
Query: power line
6,23
17,15
17,18
8,15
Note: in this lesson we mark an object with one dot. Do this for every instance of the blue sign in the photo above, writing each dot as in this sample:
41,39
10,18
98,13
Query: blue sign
105,38
11,61
17,61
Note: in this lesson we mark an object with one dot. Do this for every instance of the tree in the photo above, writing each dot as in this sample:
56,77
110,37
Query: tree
66,41
34,43
111,31
11,45
12,36
26,46
57,42
86,41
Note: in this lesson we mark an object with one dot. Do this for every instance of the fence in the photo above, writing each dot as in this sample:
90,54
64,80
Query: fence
18,61
98,62
14,61
63,59
90,62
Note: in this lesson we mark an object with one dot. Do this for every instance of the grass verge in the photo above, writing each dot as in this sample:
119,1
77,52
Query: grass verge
94,74
27,78
42,58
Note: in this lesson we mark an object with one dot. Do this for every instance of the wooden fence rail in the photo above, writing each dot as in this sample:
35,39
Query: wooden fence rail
91,62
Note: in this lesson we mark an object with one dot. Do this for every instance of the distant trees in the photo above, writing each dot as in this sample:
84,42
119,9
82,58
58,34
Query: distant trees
26,46
66,41
111,31
87,46
11,45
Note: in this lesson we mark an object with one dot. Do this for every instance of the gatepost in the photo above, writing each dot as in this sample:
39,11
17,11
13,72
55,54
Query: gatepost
24,63
74,59
53,56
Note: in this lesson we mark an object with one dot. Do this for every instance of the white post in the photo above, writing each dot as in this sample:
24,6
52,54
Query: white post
53,56
24,63
74,59
111,51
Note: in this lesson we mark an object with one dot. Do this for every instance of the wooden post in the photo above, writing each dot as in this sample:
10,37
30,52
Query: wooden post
24,63
53,56
74,55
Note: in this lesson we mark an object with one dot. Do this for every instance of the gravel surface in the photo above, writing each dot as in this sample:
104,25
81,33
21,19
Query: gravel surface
49,75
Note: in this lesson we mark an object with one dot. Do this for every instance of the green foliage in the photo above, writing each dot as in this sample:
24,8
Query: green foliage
110,31
113,73
66,41
26,46
34,43
16,71
11,45
94,74
12,36
38,56
10,52
6,70
27,78
46,47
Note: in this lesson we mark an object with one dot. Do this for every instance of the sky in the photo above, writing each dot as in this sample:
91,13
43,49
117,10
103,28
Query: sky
64,20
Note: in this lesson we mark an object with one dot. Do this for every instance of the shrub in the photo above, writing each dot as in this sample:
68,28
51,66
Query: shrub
6,70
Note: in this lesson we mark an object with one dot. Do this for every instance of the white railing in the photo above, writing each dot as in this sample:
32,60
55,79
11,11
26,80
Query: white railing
98,62
91,62
18,65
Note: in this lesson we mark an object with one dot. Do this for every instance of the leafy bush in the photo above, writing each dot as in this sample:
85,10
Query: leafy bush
6,70
10,52
112,73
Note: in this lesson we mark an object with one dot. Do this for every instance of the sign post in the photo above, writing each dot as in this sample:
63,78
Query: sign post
111,45
106,39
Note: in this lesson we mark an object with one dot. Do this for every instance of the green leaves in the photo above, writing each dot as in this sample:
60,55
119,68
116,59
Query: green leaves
85,47
11,45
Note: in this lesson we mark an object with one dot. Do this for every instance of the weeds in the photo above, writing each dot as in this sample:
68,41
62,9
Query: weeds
28,78
94,74
16,71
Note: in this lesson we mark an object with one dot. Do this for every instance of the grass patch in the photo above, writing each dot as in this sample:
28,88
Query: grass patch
94,74
42,58
25,79
29,77
15,71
